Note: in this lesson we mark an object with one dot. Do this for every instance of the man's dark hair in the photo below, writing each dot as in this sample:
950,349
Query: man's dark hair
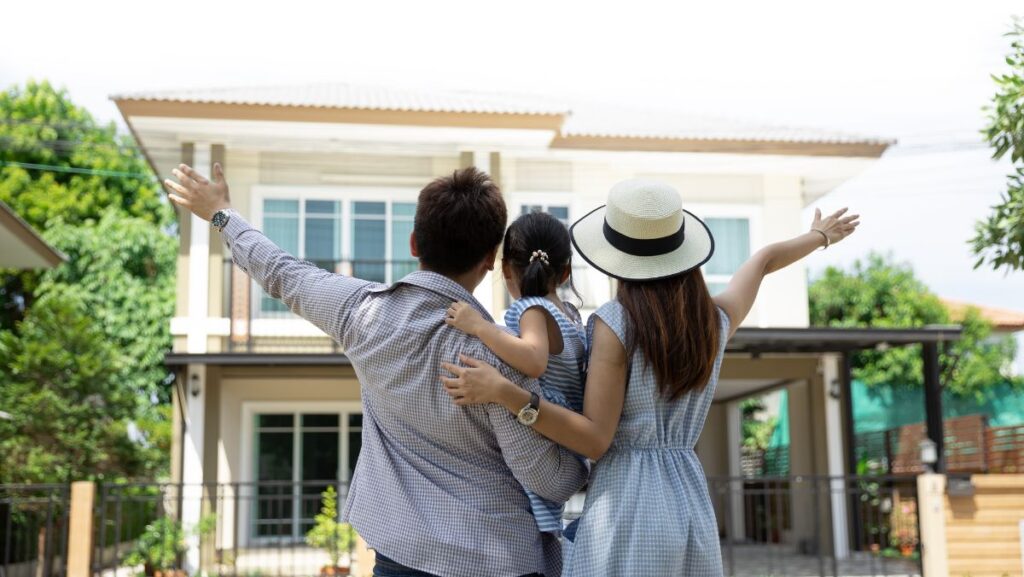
459,219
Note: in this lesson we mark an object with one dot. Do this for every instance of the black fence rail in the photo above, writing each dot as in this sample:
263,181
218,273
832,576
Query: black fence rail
236,529
33,530
785,525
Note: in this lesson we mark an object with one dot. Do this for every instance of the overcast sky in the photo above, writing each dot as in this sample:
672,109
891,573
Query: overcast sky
917,71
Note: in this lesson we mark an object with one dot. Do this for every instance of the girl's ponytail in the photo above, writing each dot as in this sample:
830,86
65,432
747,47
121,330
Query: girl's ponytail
537,276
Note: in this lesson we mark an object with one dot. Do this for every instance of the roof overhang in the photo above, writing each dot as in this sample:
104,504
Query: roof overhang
708,145
23,247
812,340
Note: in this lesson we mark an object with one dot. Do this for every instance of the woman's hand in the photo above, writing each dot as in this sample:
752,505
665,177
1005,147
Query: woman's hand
196,193
835,227
477,383
464,317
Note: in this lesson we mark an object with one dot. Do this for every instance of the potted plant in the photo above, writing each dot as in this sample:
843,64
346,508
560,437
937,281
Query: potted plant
328,534
162,542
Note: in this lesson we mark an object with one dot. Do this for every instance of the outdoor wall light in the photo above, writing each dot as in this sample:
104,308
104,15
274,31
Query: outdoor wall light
929,453
195,386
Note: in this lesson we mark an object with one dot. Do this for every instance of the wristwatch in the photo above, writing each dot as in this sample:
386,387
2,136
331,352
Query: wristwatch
220,219
528,414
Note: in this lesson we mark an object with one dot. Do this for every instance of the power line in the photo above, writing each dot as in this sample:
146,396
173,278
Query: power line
77,170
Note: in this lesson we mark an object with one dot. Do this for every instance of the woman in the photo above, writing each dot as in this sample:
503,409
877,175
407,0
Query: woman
655,356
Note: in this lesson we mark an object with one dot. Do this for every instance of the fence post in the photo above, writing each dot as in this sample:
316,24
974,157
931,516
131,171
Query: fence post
83,494
364,559
931,521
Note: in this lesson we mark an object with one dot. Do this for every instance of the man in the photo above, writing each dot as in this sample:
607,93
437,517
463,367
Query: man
438,489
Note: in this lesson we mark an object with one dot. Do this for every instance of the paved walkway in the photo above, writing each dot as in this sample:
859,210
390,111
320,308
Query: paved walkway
781,561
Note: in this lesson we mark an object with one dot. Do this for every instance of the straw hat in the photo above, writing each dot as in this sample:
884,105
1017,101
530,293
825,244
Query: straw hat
642,234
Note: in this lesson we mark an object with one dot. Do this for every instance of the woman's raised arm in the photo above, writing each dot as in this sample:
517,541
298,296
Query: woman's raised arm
738,297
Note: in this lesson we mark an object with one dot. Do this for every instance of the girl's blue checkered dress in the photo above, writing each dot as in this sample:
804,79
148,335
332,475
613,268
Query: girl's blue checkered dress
561,383
648,511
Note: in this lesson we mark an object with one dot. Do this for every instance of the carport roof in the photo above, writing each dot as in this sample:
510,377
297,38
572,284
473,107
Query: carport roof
752,340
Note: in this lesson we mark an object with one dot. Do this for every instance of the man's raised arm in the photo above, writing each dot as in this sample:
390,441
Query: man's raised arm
321,297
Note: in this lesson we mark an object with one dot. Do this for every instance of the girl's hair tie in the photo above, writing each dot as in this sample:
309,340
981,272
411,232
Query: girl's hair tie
539,254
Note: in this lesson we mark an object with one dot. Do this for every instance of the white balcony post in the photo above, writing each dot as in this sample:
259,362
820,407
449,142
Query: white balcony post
192,461
834,444
734,435
199,265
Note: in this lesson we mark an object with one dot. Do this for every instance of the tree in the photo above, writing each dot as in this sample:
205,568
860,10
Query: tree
58,163
999,239
82,345
880,293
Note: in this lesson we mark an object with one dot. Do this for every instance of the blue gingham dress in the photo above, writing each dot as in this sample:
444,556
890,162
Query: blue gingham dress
561,383
648,511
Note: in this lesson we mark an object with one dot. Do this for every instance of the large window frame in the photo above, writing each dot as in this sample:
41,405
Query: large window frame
346,196
248,445
751,212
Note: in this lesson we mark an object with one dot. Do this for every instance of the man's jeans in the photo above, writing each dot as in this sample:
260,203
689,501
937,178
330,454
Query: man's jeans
385,567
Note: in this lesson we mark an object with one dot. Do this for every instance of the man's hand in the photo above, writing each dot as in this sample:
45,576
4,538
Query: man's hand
194,192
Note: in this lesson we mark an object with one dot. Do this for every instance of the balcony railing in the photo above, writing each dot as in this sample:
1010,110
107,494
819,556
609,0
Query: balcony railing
261,324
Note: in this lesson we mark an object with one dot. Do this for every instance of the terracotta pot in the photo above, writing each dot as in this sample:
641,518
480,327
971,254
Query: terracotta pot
169,573
336,571
906,550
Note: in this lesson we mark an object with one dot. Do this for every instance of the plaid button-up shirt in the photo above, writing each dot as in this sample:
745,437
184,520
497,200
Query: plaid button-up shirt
437,487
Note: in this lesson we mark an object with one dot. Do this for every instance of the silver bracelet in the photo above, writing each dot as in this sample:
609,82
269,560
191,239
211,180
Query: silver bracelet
828,242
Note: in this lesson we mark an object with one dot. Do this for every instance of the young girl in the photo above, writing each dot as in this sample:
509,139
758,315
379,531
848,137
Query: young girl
547,338
655,355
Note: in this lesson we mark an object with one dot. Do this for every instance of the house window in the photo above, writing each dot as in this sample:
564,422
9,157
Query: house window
297,456
312,229
732,249
561,212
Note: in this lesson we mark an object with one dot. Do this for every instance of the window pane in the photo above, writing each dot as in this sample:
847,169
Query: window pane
528,208
401,227
369,208
274,464
403,209
323,233
281,225
355,443
732,244
320,420
368,249
280,420
560,212
320,459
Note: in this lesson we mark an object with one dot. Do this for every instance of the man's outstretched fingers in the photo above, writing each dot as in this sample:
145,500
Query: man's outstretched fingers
178,200
193,174
176,187
218,172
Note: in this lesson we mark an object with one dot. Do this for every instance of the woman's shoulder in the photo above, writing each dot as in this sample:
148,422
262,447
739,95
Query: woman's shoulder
613,314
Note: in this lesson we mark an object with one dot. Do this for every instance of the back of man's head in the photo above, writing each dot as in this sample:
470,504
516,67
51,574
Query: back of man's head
459,220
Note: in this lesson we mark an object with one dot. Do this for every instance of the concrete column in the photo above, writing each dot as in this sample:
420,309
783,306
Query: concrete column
801,462
192,460
199,265
831,382
931,511
734,436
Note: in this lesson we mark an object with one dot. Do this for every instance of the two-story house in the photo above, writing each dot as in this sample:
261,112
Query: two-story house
269,406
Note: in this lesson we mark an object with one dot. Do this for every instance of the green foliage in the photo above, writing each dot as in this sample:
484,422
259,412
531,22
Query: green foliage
328,534
880,293
39,125
82,345
999,239
163,540
757,431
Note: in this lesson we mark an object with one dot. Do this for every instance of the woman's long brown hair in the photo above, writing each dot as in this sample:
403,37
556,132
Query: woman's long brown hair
674,323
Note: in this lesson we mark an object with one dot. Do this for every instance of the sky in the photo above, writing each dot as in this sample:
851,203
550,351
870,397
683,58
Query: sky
918,72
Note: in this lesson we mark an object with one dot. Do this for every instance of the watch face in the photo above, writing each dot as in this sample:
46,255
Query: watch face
220,218
528,416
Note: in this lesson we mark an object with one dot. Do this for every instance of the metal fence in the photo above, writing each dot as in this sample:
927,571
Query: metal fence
33,530
242,529
768,526
785,525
